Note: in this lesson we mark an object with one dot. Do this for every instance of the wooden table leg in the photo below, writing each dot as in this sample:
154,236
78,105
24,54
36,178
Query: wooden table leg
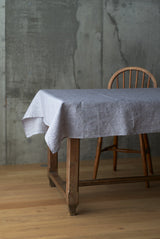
143,156
52,164
72,174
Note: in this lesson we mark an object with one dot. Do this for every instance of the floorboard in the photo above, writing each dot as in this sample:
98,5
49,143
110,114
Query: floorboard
29,208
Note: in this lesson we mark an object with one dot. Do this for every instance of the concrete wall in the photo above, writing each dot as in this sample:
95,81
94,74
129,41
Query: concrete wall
2,85
68,44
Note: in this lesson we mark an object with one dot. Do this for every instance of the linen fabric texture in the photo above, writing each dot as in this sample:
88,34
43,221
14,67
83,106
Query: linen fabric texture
92,113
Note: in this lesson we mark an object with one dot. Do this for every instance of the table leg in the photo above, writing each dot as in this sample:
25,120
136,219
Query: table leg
143,156
52,164
72,174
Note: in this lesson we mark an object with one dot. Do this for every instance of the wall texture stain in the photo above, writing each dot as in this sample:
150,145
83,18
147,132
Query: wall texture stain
68,44
113,21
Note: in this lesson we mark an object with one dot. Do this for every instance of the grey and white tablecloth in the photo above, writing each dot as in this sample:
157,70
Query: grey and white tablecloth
90,113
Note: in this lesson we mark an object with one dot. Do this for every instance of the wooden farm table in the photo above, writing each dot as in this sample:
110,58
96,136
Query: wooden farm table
89,113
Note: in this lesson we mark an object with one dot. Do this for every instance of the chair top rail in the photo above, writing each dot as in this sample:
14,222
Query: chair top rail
131,69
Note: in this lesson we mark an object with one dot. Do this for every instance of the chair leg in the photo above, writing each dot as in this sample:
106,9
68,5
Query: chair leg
143,156
115,142
148,154
96,162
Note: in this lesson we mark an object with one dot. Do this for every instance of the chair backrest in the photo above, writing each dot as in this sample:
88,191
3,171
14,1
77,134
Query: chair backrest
132,77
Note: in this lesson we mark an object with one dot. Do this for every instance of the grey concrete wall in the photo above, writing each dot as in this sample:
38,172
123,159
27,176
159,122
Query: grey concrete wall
69,44
2,85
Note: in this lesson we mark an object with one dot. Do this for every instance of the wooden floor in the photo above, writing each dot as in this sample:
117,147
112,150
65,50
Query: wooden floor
30,209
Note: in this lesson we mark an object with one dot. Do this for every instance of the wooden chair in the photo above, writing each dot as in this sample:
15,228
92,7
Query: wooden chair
142,79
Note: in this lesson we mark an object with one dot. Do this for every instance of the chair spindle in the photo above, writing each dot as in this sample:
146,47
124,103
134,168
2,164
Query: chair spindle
143,80
148,83
117,83
130,78
136,79
123,80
